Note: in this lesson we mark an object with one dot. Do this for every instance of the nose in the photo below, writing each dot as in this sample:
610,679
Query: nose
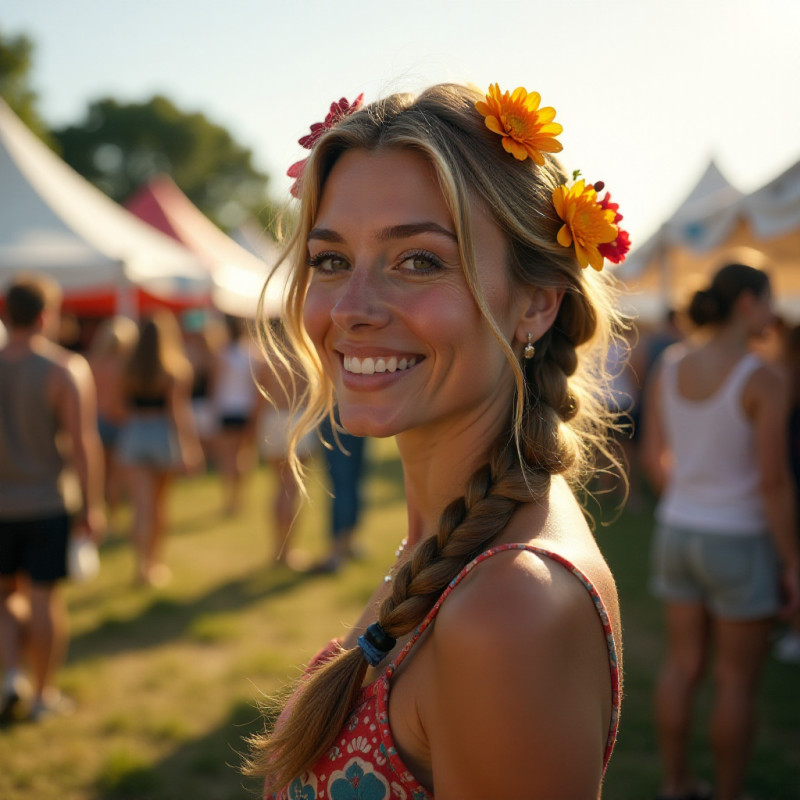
361,301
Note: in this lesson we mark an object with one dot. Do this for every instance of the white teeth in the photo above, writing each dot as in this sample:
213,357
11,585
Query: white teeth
369,366
352,365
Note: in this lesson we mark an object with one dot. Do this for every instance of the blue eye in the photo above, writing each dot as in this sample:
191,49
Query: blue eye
328,263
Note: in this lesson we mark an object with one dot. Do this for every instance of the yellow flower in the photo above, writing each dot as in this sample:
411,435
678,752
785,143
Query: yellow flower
586,223
527,130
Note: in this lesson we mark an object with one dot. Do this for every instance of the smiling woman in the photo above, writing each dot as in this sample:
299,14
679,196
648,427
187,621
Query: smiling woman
435,299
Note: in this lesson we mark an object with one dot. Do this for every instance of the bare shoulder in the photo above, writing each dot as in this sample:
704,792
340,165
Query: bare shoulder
519,645
767,378
70,370
766,389
518,585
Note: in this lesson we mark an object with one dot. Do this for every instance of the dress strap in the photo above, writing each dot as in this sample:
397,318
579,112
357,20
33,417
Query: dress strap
587,584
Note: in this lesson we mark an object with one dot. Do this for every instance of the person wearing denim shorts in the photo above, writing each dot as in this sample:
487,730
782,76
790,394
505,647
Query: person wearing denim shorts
158,439
724,557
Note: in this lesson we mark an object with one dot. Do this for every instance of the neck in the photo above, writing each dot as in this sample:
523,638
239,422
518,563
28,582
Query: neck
23,338
437,466
731,337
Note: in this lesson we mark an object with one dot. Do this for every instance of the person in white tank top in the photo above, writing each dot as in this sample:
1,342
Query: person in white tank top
725,558
234,400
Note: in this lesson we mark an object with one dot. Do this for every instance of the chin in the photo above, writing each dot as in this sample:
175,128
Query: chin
367,422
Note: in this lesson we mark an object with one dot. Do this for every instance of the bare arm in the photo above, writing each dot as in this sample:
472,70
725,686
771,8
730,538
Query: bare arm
180,410
75,402
655,453
522,691
766,400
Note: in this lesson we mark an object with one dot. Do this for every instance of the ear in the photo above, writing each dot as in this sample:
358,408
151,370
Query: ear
539,314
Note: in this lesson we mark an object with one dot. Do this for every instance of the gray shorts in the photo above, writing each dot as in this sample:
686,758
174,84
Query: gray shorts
148,442
734,577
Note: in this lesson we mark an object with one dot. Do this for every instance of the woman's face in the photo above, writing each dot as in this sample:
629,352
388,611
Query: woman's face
388,307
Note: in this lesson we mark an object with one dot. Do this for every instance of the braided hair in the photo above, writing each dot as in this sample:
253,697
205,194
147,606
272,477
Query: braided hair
558,422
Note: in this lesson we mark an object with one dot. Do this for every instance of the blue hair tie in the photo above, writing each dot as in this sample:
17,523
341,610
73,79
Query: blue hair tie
375,644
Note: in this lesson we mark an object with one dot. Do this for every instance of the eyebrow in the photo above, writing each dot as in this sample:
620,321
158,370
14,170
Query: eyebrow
387,234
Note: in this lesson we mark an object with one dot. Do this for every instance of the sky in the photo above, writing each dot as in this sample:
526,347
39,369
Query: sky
647,92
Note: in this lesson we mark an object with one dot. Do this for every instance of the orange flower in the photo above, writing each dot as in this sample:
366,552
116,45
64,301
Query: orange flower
587,224
527,130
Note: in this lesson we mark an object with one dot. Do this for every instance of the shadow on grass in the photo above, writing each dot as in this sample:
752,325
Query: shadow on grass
206,768
167,619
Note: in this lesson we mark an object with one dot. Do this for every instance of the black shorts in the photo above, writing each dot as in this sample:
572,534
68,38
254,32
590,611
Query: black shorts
35,547
233,422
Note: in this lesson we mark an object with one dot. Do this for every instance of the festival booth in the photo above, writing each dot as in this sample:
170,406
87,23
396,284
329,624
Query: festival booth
238,273
105,259
715,219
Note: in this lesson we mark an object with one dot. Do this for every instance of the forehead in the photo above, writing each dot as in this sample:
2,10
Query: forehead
367,185
368,190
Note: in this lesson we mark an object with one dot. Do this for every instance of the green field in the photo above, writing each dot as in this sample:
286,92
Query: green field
167,680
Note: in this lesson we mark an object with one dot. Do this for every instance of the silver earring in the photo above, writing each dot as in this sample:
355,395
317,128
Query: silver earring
529,350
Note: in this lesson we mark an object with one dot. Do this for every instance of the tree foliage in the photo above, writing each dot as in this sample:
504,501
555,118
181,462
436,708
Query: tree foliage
16,63
120,146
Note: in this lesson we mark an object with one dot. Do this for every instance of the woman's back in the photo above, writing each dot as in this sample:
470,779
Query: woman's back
108,377
715,479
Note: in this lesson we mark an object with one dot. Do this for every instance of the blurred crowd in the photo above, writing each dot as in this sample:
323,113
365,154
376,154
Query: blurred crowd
108,414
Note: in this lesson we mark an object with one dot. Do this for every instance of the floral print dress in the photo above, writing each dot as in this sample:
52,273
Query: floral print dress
363,763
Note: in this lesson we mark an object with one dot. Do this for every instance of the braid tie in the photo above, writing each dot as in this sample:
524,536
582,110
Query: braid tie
376,644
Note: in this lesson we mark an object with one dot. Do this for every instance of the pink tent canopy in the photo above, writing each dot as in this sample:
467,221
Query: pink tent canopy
237,274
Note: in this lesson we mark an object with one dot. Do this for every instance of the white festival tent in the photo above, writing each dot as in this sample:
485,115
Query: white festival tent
239,265
251,237
53,221
714,220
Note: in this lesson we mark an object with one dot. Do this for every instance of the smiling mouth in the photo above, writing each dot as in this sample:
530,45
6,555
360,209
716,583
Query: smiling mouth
370,365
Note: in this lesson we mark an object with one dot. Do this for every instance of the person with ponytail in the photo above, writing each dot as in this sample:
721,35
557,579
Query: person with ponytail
448,290
725,557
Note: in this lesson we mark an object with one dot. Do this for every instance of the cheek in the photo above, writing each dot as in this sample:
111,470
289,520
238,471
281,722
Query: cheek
317,315
445,319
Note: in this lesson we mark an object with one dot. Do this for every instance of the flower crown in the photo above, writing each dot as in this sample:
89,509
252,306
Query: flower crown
527,131
338,111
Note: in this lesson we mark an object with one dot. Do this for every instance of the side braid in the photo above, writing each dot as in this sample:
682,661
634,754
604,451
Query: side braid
466,526
322,701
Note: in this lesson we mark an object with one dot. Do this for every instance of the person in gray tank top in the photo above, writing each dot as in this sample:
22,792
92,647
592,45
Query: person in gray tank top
46,392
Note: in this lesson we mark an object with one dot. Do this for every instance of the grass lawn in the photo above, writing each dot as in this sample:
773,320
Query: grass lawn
167,680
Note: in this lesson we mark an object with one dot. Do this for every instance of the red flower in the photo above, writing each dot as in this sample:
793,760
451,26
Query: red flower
606,203
339,110
615,251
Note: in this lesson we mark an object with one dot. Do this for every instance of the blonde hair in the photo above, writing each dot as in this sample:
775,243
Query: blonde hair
559,421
